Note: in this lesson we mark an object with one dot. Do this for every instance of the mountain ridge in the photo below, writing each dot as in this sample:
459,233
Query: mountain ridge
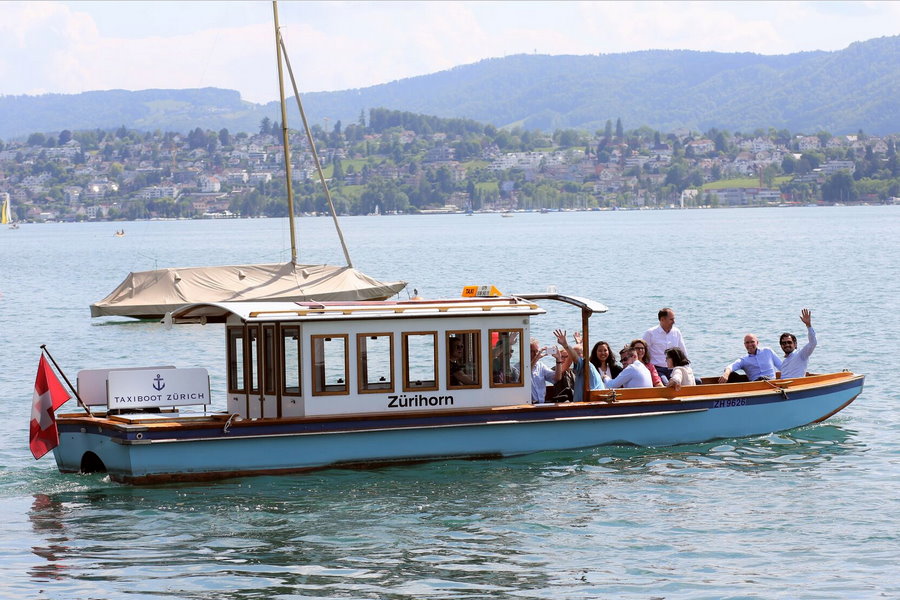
838,91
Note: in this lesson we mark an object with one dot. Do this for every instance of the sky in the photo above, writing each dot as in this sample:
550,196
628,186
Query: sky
72,47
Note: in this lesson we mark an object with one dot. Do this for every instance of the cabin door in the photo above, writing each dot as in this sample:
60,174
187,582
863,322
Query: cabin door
262,401
290,390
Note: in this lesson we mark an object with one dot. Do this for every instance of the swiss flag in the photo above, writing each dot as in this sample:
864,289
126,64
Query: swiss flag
48,396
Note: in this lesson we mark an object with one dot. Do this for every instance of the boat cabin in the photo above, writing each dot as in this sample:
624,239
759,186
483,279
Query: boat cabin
301,359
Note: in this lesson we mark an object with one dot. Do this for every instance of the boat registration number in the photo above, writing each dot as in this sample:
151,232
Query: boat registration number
729,402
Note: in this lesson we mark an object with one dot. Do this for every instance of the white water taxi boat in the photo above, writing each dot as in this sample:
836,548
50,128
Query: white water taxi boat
316,385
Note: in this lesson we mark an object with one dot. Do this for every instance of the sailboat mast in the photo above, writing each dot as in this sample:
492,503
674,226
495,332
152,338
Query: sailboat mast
315,155
285,137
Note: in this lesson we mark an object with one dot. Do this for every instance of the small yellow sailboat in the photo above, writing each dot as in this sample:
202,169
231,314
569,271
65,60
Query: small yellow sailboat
6,214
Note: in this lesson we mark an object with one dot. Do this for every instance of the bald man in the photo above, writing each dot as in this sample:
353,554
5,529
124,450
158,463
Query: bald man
760,363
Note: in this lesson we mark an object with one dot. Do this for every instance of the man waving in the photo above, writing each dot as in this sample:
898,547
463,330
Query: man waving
796,362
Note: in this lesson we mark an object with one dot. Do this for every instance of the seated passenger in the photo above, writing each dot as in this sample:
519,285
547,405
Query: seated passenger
634,375
678,363
503,368
541,374
564,388
644,357
578,367
796,362
458,374
602,358
759,364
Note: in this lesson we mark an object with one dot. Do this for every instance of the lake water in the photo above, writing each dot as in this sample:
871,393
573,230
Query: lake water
809,513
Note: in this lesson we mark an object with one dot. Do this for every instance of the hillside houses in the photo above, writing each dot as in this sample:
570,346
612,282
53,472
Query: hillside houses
140,175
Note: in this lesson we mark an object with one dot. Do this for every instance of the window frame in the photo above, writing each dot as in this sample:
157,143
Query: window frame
284,331
360,372
521,382
315,371
254,372
235,370
407,387
270,357
476,348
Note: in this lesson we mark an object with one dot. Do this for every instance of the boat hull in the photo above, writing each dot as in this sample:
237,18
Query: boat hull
175,449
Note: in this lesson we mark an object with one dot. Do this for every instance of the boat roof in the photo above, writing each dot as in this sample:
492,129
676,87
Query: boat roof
215,312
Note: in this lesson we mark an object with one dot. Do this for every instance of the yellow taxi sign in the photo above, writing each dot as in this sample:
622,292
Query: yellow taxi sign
480,291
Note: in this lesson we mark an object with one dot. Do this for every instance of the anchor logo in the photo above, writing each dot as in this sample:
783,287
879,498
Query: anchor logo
159,383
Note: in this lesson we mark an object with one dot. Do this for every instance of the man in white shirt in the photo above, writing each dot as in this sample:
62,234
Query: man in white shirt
661,338
796,362
634,375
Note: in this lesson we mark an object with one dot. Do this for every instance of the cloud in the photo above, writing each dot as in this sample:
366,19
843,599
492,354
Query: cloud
36,39
69,47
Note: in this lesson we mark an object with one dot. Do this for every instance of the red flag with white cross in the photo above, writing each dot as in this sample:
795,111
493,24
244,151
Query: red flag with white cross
49,395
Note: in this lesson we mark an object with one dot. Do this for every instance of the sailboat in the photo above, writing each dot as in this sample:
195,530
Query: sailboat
6,214
153,294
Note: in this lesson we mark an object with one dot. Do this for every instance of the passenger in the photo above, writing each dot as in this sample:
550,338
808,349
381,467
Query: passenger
796,362
641,347
502,368
759,364
564,388
661,338
458,374
682,374
603,360
541,374
578,367
634,374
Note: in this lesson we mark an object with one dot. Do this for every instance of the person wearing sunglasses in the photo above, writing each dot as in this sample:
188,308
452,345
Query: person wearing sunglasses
796,362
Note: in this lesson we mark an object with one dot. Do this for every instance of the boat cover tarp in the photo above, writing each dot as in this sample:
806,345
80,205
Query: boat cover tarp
151,294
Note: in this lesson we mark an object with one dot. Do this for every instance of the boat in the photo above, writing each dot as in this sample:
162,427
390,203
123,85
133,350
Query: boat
6,217
149,295
360,384
152,294
119,233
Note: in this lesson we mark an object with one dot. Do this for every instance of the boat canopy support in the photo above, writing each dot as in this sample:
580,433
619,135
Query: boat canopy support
585,304
588,307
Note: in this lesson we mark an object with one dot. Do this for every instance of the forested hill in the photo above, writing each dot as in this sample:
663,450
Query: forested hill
840,92
855,88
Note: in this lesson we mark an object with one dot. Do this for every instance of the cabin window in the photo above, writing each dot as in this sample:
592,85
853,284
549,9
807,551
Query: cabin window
290,361
269,366
376,362
420,361
253,350
329,362
506,357
236,360
463,363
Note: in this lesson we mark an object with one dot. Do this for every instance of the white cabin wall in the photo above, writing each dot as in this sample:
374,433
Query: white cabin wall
369,403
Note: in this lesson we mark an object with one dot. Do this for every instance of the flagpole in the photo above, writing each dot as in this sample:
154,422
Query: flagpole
69,383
